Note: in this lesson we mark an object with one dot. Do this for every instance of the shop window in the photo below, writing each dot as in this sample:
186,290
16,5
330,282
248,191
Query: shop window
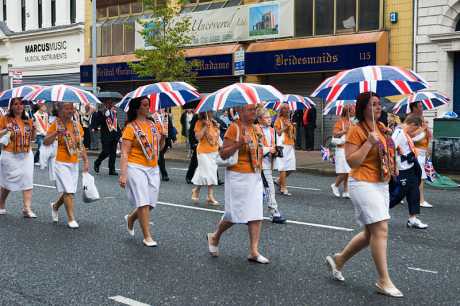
232,3
53,13
303,17
369,15
40,13
216,5
117,39
201,7
106,40
136,7
130,31
23,15
125,7
73,11
457,26
345,16
324,13
4,10
101,9
113,10
99,41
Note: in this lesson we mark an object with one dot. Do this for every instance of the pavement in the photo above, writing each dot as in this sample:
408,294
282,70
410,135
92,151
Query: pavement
42,263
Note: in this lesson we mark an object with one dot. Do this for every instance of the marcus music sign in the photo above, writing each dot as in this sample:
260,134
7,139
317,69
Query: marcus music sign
46,51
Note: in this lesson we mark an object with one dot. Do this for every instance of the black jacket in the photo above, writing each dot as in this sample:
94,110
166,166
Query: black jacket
99,121
311,118
191,135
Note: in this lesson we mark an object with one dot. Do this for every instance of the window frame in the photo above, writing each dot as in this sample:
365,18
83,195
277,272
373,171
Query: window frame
40,13
53,13
23,15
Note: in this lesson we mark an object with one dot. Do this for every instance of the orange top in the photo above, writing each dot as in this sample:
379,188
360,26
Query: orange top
369,170
136,155
425,142
289,135
244,154
211,134
340,125
3,125
63,154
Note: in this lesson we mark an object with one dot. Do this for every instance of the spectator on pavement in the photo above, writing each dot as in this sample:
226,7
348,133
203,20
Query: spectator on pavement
86,114
193,144
309,124
185,120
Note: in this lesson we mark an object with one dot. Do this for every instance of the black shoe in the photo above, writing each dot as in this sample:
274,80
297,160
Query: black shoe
113,173
220,183
96,167
165,179
189,181
279,220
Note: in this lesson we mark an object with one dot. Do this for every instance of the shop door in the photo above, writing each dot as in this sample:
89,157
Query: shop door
456,97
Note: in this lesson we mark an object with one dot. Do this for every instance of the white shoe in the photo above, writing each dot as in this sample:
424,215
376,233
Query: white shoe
130,231
54,214
259,259
426,204
346,195
335,190
391,292
336,274
37,164
416,224
2,212
73,224
150,244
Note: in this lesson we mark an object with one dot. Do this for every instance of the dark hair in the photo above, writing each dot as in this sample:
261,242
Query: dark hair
361,103
23,115
414,105
134,105
413,119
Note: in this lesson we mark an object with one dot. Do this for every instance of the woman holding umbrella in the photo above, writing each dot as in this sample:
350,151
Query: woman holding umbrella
142,141
69,135
370,154
16,160
207,133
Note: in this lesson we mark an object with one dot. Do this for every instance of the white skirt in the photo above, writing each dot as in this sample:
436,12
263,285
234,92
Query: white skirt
341,165
17,171
143,185
206,172
422,160
287,162
243,197
66,177
370,200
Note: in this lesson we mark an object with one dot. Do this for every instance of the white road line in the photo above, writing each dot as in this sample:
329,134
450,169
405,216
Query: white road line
422,270
127,301
179,169
338,228
304,188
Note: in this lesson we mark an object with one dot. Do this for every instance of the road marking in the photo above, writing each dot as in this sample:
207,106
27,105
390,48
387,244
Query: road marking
304,188
127,301
109,197
180,169
422,270
338,228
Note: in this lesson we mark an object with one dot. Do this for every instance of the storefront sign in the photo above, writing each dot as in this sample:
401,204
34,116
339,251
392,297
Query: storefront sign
215,65
311,59
273,19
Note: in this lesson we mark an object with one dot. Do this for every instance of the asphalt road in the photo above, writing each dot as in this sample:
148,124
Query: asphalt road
46,264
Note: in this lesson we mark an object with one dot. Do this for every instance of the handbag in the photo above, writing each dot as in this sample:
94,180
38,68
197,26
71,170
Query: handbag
90,193
233,159
5,139
338,141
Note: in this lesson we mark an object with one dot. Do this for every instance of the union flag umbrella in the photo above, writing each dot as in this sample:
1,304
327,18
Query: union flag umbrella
337,107
383,80
62,93
429,100
162,95
17,92
237,95
295,102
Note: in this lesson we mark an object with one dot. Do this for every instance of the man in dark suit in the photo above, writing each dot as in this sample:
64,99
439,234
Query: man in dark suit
193,144
309,124
106,120
297,119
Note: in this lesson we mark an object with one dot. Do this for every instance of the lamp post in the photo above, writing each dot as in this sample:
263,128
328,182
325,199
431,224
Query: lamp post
94,46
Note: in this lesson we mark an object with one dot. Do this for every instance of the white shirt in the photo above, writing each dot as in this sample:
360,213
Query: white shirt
402,147
267,161
41,125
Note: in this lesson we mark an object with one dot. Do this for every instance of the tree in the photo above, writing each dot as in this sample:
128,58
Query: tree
166,35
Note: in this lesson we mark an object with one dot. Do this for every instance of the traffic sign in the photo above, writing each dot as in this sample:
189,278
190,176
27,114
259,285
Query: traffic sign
238,62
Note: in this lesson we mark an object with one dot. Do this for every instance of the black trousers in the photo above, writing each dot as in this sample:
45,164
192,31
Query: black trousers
407,186
309,137
192,165
109,149
161,162
87,137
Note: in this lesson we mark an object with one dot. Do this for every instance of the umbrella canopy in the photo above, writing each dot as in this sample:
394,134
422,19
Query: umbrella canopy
429,100
383,80
63,93
295,102
237,95
162,95
337,107
17,92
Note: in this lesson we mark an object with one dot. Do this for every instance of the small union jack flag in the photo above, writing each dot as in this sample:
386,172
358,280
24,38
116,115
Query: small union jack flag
429,170
325,153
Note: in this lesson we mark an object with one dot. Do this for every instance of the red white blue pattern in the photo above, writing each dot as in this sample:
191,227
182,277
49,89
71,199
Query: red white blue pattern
429,170
237,95
162,95
295,102
17,92
62,93
337,107
429,100
383,80
325,153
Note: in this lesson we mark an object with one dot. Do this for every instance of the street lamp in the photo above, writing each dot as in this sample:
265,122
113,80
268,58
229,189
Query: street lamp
94,45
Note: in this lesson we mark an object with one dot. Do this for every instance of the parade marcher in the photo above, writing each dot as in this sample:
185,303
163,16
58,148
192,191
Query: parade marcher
69,135
410,173
286,138
270,154
243,183
207,133
370,154
185,120
106,120
86,114
41,123
342,169
165,119
422,142
16,160
193,144
141,143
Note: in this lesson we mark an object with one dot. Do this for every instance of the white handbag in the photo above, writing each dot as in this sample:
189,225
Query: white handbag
338,140
233,159
90,193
